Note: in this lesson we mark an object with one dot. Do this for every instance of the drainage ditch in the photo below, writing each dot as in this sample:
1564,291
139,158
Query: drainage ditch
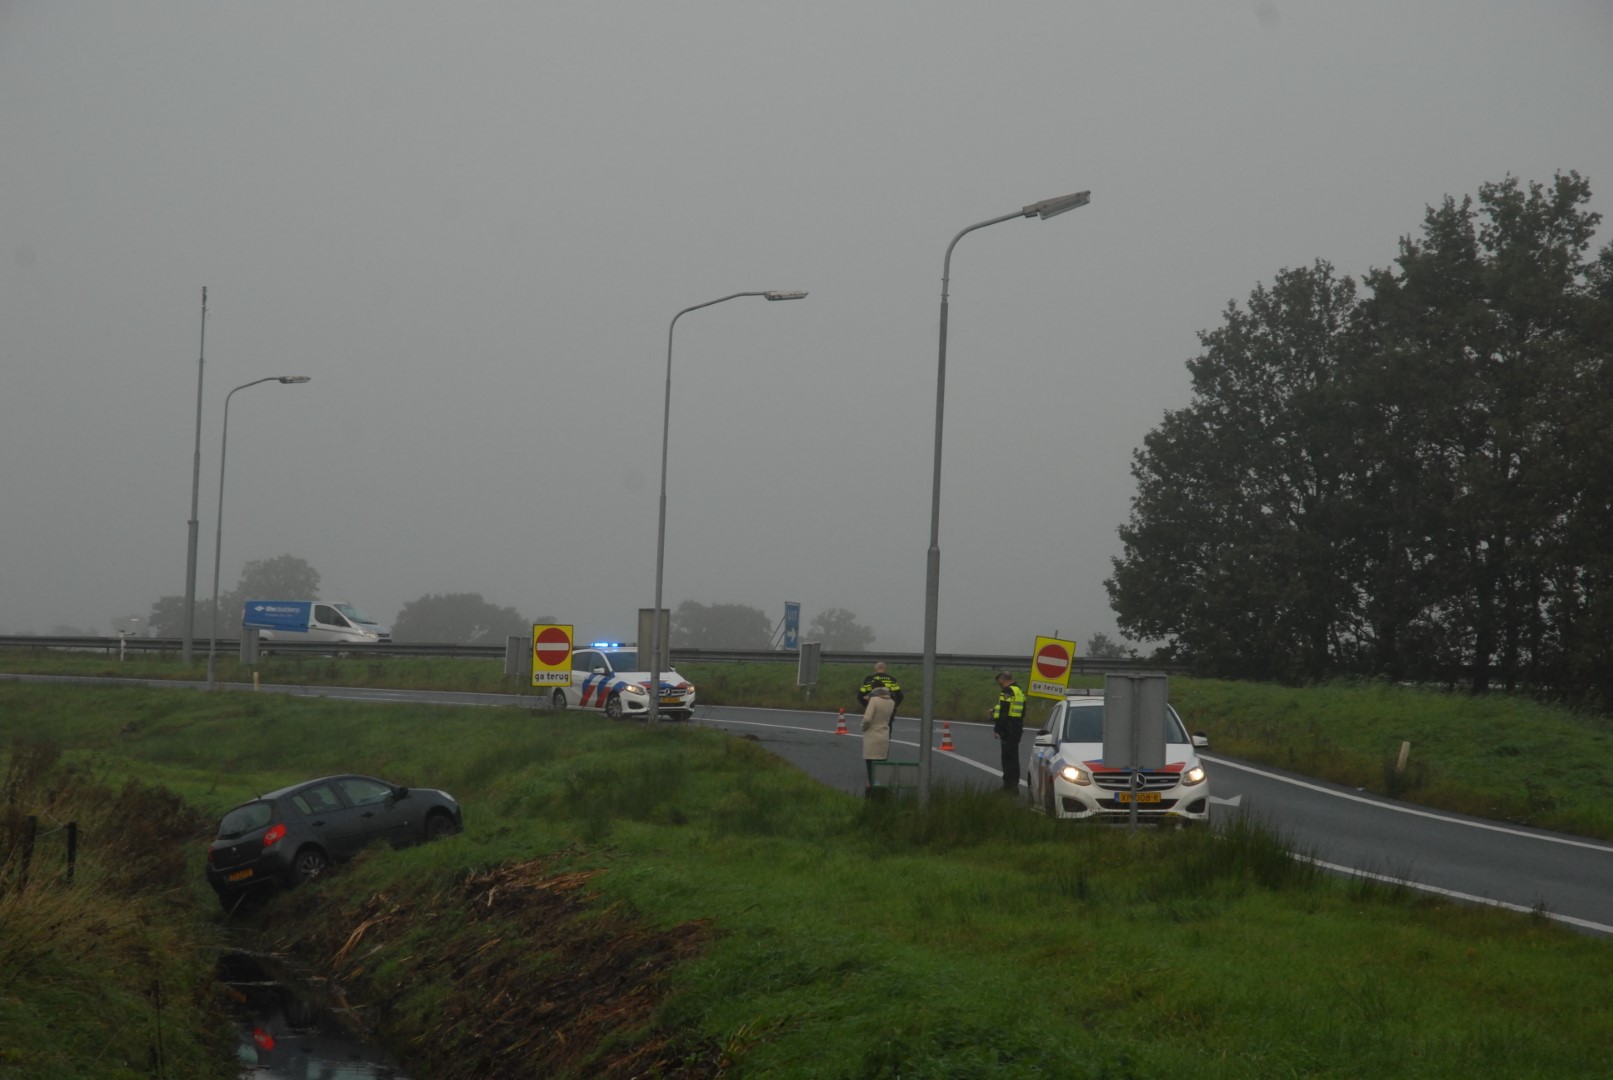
286,1030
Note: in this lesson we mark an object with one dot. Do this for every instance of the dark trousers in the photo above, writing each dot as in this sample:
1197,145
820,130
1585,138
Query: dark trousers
1009,734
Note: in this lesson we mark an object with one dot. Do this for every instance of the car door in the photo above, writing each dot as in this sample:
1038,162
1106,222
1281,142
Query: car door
590,676
1040,770
328,625
332,823
386,818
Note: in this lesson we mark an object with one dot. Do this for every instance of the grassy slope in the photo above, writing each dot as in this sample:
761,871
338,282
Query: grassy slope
804,933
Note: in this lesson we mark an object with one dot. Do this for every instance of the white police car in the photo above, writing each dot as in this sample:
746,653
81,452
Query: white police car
1068,778
606,675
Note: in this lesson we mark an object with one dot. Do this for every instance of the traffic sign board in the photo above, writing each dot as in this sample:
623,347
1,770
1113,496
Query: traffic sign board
551,654
1053,660
1051,663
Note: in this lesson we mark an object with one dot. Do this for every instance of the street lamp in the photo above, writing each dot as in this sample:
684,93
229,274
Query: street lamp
195,489
1047,208
660,533
218,533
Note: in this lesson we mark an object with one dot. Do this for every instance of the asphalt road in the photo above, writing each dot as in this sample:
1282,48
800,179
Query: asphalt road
1565,878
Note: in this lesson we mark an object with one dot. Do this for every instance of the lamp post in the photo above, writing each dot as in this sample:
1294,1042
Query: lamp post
218,533
195,489
1045,209
660,532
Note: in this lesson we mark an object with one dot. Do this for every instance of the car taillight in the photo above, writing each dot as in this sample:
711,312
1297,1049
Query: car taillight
274,836
209,854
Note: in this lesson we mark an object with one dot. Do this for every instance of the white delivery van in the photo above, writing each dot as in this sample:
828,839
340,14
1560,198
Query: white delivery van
312,620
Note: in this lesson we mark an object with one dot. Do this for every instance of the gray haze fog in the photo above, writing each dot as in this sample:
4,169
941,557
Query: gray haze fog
471,224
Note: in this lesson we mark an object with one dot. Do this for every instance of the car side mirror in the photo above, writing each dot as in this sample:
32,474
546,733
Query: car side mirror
1201,741
1045,738
400,793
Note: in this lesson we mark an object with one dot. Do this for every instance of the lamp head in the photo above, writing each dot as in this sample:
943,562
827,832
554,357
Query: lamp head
776,295
1054,207
295,378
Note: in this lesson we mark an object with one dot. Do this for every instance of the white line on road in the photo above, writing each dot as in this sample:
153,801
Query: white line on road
1413,811
1584,924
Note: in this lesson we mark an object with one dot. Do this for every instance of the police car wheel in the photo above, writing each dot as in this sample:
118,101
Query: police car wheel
613,706
558,700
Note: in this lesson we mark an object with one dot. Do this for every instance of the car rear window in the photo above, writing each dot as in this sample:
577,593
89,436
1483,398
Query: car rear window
243,819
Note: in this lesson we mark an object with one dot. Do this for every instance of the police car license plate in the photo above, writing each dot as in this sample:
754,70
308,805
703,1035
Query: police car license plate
1142,796
240,875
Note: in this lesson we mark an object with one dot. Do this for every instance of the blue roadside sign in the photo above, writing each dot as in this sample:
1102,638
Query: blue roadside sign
792,625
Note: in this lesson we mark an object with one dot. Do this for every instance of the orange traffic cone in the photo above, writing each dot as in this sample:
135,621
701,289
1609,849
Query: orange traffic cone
841,729
946,735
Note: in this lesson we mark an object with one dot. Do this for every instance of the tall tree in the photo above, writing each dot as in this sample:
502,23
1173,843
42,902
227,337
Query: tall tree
284,577
1401,484
1230,548
457,619
719,626
839,631
1484,330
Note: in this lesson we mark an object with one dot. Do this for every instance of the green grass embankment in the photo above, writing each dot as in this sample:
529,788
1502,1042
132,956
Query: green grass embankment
673,901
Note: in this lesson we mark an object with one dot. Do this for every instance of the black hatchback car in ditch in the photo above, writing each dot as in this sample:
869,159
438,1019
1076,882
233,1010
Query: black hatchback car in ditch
293,834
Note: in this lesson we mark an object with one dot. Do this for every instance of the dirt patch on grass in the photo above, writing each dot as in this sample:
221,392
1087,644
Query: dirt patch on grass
520,971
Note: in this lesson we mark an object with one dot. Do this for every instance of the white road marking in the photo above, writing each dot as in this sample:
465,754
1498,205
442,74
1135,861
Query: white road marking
1584,924
1414,812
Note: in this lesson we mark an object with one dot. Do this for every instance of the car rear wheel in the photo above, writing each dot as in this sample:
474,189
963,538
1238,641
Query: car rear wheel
558,700
309,864
613,706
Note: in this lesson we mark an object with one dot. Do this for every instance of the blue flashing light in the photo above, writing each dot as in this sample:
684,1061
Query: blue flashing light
604,644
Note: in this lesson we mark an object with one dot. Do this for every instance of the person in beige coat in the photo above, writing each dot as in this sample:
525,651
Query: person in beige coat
879,695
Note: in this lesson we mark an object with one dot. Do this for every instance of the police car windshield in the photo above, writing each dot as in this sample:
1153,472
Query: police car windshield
623,659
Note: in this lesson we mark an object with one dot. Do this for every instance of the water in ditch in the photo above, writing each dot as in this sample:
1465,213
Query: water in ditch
286,1030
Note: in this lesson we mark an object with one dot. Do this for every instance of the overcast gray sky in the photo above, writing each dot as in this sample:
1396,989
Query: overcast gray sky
471,224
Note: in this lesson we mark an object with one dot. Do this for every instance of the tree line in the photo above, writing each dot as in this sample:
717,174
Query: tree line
468,619
1410,478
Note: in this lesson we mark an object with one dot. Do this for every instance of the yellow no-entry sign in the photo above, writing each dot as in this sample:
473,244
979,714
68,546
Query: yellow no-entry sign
551,654
1051,663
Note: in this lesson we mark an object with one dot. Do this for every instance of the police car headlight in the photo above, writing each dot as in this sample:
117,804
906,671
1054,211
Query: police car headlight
1195,775
636,690
1075,774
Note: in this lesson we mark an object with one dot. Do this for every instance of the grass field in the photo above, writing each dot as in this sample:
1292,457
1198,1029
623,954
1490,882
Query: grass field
672,901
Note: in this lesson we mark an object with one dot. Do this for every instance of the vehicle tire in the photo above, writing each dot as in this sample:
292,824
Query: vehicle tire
439,825
309,864
613,706
557,700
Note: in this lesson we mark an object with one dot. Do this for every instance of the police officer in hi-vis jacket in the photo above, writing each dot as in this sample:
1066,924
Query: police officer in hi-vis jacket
1009,724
